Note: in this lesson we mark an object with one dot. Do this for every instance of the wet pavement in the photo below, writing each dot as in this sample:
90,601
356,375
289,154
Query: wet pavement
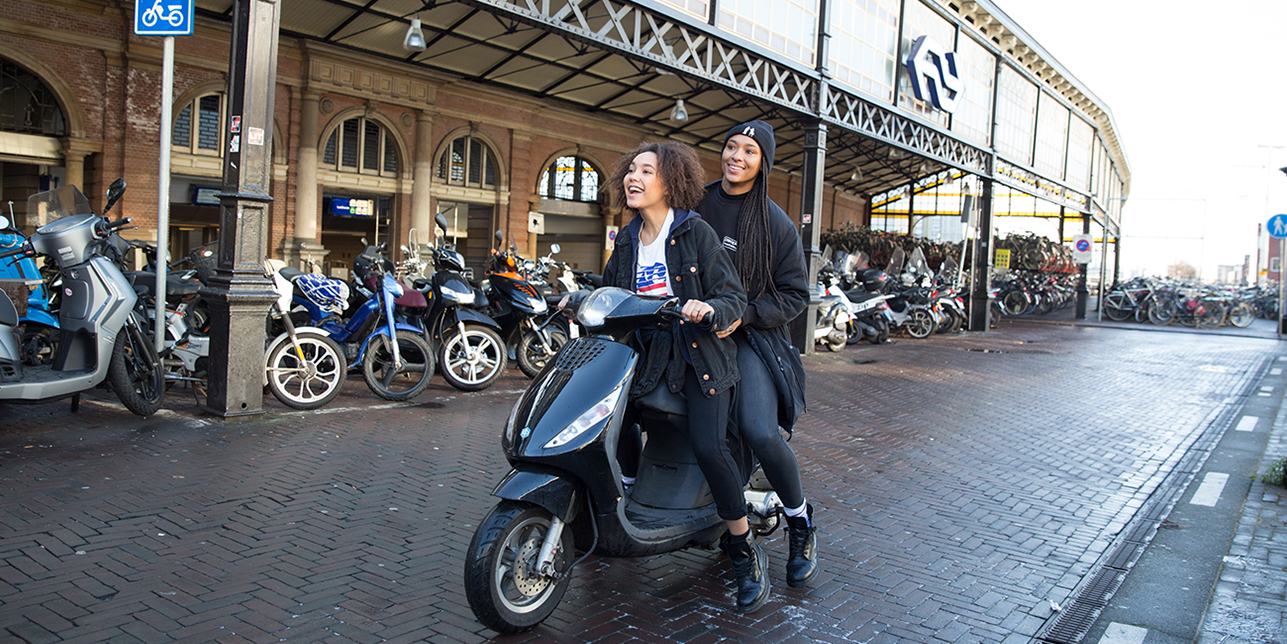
965,486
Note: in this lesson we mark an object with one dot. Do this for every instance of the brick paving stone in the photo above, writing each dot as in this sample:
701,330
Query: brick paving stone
958,492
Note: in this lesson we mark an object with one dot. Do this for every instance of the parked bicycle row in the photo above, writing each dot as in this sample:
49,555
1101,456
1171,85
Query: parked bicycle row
1205,306
1027,251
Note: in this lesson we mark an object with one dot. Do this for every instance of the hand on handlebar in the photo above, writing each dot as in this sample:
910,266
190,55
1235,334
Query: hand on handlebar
699,312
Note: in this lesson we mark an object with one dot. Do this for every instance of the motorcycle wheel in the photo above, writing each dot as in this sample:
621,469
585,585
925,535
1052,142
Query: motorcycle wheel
38,344
309,382
505,591
834,345
531,354
882,331
395,384
487,366
921,324
853,333
136,373
954,322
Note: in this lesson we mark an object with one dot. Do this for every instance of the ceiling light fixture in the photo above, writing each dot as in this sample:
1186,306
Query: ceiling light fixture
679,112
415,39
856,176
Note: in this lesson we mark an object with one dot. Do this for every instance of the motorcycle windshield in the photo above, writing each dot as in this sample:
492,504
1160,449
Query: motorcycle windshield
916,264
896,260
45,207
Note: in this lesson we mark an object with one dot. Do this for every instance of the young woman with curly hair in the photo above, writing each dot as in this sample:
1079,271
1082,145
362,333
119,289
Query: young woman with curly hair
667,250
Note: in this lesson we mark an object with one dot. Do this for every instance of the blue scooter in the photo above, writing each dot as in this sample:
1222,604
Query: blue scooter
40,322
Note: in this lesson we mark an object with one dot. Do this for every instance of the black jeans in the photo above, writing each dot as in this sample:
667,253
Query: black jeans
757,416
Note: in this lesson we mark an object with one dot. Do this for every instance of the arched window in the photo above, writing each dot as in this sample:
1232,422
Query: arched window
570,178
26,104
202,133
467,162
362,145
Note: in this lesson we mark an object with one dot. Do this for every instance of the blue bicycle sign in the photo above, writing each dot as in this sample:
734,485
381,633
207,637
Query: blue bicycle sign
163,17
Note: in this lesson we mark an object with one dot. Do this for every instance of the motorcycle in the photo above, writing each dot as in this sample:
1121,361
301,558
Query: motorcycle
102,324
564,492
303,367
471,354
516,305
910,307
396,361
831,328
868,311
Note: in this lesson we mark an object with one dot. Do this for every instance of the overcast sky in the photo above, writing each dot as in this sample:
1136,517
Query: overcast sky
1194,89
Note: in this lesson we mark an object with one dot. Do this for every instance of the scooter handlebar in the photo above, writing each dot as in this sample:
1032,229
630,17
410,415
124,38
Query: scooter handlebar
22,249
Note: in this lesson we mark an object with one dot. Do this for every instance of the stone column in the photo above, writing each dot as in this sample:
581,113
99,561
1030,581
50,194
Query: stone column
305,246
422,181
239,294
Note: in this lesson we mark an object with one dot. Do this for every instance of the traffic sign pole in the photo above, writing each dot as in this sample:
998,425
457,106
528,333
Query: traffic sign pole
1277,229
163,189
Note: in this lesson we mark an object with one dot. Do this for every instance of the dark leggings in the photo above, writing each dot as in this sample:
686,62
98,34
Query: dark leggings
708,430
757,414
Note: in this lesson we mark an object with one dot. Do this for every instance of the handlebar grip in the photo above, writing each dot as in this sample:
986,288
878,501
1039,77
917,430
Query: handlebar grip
118,223
20,250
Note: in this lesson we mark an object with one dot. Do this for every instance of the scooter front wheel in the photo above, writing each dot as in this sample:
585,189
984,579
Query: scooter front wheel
473,361
309,378
136,373
506,591
533,354
398,382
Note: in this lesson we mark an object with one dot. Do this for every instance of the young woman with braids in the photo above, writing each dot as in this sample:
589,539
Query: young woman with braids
770,262
667,250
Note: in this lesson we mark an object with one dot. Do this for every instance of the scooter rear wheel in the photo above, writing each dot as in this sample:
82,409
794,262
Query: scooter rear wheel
398,383
505,590
135,373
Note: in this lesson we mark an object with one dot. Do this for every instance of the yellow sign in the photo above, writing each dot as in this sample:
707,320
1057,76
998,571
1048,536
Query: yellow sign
1002,259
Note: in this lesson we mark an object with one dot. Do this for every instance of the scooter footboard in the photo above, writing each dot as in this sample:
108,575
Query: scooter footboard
546,487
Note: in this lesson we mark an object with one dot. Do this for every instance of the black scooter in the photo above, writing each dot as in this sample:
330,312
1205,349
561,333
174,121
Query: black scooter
564,493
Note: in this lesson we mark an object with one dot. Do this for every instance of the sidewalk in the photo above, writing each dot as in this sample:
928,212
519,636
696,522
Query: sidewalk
1250,600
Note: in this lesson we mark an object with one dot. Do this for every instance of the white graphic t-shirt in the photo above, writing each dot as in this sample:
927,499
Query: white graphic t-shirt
651,276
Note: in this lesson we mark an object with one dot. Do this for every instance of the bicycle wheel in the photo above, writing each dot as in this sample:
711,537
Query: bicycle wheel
1212,315
398,382
1161,312
1241,315
1016,303
1116,308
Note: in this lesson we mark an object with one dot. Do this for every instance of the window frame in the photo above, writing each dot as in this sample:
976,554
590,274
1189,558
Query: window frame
385,144
193,145
443,165
546,186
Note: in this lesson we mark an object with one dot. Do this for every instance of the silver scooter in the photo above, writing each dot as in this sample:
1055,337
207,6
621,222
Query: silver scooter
102,332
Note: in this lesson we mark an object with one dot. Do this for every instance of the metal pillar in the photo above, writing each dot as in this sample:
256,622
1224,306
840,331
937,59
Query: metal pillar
815,157
1082,291
239,294
981,262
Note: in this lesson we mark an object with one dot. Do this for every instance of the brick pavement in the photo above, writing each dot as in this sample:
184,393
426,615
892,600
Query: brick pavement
963,484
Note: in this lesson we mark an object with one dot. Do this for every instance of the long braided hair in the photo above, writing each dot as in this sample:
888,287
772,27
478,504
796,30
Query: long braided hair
755,244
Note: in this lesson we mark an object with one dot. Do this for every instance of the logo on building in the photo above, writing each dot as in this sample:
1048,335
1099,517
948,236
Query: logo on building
933,74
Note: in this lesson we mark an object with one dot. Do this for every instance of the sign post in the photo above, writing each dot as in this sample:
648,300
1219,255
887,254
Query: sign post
1277,228
166,18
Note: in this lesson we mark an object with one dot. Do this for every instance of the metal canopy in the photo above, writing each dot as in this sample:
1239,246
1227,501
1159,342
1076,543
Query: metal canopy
632,62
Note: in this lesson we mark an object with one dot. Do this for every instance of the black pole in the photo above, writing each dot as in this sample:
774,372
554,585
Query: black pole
1082,291
981,262
239,294
815,157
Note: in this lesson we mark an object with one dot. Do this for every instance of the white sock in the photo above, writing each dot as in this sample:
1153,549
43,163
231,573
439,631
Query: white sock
802,511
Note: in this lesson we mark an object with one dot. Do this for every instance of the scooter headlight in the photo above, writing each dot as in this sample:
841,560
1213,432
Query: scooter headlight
461,297
585,421
538,304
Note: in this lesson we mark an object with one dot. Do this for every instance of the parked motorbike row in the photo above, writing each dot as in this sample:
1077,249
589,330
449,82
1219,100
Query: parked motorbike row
857,302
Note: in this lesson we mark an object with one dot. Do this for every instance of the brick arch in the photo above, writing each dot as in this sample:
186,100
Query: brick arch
72,111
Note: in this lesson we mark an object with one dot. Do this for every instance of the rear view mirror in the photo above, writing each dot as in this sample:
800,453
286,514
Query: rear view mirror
114,193
554,249
500,236
441,221
4,222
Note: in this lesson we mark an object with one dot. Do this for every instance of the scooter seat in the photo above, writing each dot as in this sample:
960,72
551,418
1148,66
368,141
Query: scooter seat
290,272
662,399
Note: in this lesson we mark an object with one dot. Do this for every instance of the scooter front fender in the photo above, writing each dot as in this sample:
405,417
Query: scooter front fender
546,487
468,316
40,317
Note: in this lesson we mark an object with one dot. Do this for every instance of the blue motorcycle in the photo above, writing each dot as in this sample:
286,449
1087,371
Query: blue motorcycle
39,324
396,362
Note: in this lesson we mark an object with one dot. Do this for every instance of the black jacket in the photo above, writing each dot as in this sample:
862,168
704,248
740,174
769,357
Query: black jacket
699,269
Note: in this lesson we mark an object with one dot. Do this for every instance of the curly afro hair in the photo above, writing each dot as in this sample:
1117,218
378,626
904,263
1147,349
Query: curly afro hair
678,167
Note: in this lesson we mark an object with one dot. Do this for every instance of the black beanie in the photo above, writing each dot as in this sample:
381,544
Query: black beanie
763,134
